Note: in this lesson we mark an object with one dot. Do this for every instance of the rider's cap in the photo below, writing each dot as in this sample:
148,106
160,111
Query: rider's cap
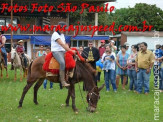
62,24
21,41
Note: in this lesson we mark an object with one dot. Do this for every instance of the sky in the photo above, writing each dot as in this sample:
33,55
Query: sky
125,3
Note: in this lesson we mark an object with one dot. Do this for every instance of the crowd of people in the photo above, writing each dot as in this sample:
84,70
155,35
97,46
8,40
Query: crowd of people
131,64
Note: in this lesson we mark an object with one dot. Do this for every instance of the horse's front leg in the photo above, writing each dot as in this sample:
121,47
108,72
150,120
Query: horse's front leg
72,90
68,97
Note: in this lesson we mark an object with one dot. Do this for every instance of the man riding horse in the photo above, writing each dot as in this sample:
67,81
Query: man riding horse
20,50
58,48
2,47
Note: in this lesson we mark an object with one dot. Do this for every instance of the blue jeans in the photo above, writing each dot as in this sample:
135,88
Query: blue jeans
143,77
45,83
110,75
4,54
133,79
161,81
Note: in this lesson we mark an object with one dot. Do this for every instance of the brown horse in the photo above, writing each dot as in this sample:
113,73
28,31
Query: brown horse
82,72
2,64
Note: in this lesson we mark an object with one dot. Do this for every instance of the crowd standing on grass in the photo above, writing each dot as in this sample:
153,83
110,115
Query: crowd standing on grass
132,63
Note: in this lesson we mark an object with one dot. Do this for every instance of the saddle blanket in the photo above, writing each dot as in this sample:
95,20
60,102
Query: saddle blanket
52,65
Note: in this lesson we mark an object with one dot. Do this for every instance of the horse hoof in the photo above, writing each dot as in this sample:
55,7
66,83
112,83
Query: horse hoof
36,103
67,105
19,106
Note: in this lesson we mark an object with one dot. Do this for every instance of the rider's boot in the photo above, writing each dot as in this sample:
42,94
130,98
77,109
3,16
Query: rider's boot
62,78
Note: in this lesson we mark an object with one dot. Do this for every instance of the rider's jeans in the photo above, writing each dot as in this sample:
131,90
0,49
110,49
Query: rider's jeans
4,55
59,56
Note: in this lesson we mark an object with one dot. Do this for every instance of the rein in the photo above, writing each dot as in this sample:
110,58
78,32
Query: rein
81,95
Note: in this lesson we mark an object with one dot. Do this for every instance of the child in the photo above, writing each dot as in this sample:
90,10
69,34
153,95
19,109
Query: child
107,61
158,54
45,81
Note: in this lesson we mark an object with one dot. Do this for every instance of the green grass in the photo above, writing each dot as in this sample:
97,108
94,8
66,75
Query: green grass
123,106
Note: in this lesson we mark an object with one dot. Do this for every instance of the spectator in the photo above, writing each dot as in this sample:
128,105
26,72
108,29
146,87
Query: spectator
131,68
45,81
113,47
122,66
128,49
41,52
108,60
139,48
101,51
144,63
81,48
91,55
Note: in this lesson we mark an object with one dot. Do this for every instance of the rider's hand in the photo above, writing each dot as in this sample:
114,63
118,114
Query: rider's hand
73,51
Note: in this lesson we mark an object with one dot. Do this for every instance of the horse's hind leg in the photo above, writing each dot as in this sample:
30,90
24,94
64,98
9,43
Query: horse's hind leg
25,90
36,87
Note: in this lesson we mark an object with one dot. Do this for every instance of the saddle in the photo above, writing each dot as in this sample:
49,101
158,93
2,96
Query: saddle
51,65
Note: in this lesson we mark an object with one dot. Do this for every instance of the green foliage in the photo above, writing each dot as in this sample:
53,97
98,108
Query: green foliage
135,16
124,16
123,106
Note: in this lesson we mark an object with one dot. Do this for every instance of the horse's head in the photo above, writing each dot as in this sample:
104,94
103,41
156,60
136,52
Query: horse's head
13,54
92,98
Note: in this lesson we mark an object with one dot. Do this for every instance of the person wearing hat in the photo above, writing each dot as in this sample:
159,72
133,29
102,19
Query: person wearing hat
58,48
91,55
20,50
2,46
113,47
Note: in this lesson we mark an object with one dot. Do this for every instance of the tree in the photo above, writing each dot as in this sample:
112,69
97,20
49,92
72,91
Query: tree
135,16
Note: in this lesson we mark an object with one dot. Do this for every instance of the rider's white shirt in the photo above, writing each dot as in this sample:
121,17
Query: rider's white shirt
54,45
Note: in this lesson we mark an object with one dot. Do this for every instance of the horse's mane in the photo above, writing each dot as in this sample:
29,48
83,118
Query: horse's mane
84,72
91,69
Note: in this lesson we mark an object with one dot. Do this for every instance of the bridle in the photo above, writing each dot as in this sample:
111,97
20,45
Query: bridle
89,96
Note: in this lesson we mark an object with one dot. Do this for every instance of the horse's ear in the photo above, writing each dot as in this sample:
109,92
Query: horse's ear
99,89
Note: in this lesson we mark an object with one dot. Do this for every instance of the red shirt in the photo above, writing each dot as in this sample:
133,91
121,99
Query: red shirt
20,49
101,50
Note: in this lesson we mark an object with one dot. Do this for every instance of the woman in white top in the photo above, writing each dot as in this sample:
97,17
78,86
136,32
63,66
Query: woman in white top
58,48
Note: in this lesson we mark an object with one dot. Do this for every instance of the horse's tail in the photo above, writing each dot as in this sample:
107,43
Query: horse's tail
29,70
